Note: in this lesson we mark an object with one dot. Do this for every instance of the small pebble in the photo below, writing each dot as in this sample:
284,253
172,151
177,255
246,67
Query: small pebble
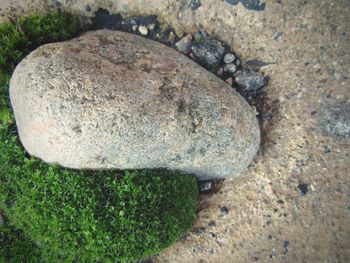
143,30
151,27
207,51
303,188
229,58
211,223
88,8
199,230
238,62
205,186
224,210
171,36
285,246
220,71
232,68
184,44
249,80
195,4
132,22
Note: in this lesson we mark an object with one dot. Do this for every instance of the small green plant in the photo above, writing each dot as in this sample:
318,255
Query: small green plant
65,215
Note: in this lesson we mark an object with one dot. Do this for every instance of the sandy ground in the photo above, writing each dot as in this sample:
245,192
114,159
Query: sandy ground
292,204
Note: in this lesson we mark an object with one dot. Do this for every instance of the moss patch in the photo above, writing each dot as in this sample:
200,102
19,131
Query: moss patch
65,215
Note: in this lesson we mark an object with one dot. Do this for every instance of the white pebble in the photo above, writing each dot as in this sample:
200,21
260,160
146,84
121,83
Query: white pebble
143,30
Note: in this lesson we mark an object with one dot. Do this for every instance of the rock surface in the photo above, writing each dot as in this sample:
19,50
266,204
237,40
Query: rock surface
111,99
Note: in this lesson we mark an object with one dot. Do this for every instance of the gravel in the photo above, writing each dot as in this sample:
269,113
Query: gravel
229,58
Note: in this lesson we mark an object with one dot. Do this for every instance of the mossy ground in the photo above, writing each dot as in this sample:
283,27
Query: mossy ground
63,215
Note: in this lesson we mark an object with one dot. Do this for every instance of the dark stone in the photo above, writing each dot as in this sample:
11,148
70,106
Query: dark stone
303,188
88,8
57,3
249,4
334,120
211,223
195,4
249,80
258,63
199,230
224,210
285,246
207,51
278,35
327,149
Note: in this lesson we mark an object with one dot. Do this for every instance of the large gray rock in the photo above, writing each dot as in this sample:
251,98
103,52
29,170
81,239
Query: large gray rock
115,100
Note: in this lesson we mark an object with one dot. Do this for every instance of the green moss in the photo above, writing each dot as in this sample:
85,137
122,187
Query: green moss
5,109
19,37
75,215
15,246
64,215
214,67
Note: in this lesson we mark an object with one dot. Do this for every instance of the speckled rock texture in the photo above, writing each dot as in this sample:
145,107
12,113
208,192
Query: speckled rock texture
111,99
292,204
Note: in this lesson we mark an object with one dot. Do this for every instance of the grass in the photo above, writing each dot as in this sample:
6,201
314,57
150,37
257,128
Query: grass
64,215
